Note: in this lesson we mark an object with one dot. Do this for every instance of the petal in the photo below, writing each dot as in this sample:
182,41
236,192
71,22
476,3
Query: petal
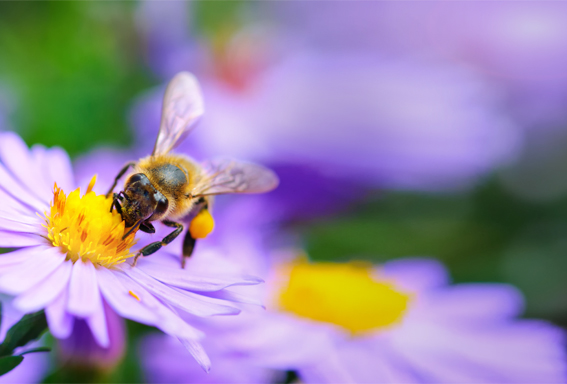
32,271
97,323
119,290
56,165
46,291
7,224
83,289
13,215
18,160
168,271
277,340
119,298
236,297
10,239
59,321
188,301
15,189
474,302
197,351
14,208
7,260
415,274
168,320
526,352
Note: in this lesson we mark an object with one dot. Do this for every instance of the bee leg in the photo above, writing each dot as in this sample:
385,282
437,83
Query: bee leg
188,247
147,227
154,247
120,174
116,204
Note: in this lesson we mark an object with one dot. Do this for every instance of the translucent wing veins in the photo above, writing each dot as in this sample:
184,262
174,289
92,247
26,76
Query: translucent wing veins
182,108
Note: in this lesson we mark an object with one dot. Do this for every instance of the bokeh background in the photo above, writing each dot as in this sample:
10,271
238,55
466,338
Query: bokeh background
398,128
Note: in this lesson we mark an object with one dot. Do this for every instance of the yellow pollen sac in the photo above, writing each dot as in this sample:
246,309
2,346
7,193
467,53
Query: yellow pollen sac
343,294
85,228
202,225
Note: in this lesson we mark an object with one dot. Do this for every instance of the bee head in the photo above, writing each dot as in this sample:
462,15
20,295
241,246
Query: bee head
142,201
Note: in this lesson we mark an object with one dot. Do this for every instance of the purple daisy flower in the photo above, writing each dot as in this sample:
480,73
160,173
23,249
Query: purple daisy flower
72,259
400,323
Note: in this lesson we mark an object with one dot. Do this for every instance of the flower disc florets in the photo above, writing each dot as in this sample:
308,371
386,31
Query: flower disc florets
343,294
84,227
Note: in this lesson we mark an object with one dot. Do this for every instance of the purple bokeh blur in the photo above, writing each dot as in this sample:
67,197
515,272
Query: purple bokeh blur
357,116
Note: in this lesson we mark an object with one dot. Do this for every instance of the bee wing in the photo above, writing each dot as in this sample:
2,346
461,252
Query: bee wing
232,176
182,108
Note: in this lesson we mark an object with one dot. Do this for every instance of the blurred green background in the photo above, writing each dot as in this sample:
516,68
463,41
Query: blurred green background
69,72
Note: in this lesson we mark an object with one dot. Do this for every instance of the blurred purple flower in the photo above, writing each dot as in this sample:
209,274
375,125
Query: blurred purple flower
426,331
361,117
521,45
82,349
166,361
73,280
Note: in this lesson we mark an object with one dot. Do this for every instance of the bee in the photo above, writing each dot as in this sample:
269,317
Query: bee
175,189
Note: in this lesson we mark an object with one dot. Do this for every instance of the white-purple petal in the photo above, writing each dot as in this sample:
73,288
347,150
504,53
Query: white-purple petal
168,272
119,298
167,319
17,158
9,224
83,289
46,291
197,351
15,189
31,272
97,323
474,303
11,239
188,301
60,322
56,167
19,256
415,274
12,207
236,297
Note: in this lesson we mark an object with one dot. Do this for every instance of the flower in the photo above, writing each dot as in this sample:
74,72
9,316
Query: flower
73,261
82,350
401,322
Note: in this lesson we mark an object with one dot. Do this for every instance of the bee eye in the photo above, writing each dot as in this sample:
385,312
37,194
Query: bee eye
138,177
162,205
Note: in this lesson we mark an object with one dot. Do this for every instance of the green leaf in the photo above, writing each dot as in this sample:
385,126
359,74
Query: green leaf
9,362
35,350
29,328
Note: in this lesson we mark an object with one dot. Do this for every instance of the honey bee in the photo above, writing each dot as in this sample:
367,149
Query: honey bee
174,188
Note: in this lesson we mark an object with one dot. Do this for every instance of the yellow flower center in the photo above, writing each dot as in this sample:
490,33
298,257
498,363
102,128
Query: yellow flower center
343,294
85,228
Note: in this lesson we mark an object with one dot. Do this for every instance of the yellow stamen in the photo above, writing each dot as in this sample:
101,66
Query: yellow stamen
91,184
202,225
343,294
134,296
85,228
